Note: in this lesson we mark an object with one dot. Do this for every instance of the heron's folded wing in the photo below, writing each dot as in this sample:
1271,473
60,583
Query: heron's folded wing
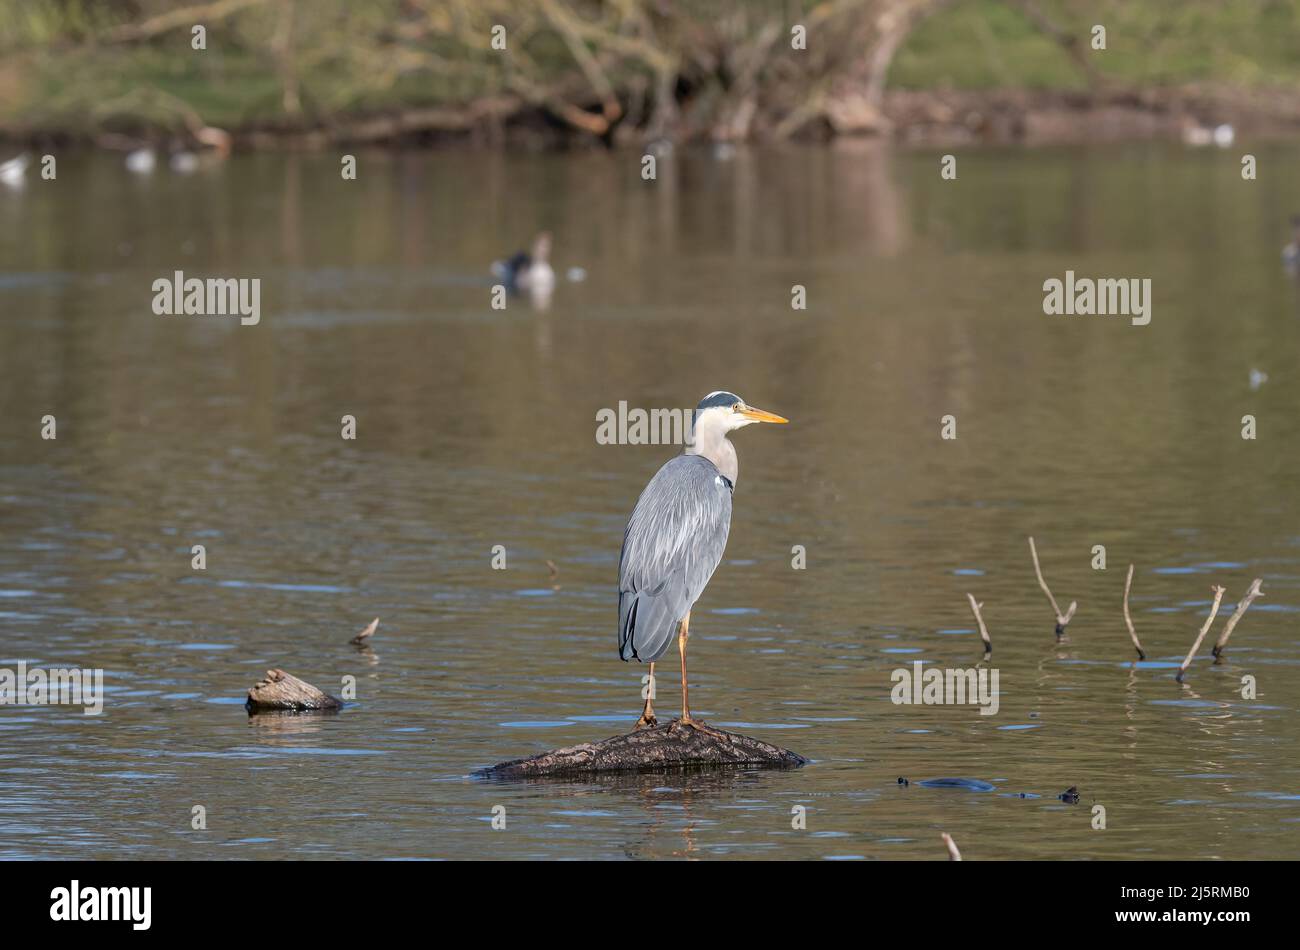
673,543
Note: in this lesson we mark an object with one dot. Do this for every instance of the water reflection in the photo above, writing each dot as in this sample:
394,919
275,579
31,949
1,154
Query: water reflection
476,429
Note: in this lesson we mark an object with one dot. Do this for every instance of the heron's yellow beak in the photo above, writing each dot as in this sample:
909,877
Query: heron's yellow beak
761,415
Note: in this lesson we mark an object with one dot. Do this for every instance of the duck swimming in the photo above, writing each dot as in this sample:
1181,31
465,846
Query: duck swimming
530,272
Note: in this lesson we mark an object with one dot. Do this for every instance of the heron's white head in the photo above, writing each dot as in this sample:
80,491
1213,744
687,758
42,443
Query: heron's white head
721,412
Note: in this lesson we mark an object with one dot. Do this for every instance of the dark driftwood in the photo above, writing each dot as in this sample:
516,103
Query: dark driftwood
281,691
664,747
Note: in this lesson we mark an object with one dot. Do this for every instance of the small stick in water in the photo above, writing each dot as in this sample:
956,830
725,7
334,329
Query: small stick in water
953,853
1061,618
1242,606
361,638
1128,619
984,633
1214,612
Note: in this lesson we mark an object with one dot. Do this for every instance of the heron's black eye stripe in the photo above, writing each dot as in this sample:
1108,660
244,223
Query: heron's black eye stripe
721,400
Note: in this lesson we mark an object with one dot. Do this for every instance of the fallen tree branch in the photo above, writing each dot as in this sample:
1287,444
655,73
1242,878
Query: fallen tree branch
1214,612
204,13
1062,619
1070,42
984,633
281,691
1242,606
1128,619
664,747
588,63
379,128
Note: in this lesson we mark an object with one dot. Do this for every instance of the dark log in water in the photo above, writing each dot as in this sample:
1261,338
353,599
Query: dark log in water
665,747
281,691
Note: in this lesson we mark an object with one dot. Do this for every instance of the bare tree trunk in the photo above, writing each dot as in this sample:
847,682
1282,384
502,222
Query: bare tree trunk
283,47
893,26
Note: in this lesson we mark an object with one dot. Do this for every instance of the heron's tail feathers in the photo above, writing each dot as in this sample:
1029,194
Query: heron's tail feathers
646,625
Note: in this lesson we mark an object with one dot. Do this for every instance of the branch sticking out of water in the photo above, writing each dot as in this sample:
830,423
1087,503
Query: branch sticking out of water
1242,606
364,636
1062,619
953,853
1205,628
984,633
1128,619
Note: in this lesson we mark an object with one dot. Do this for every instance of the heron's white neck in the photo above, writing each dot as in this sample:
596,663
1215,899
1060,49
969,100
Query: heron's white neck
711,441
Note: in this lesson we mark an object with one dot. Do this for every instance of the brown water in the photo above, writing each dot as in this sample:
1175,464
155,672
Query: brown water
477,428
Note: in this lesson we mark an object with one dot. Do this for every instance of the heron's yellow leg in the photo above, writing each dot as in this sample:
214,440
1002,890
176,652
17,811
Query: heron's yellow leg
648,713
683,633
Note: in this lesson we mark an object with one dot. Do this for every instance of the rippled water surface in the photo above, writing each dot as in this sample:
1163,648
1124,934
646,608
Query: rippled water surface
476,428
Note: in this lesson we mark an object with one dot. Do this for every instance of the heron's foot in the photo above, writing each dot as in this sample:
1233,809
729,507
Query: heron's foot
647,721
698,725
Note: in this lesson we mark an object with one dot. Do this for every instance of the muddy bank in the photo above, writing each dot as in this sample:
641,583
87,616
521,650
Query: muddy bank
923,118
1043,117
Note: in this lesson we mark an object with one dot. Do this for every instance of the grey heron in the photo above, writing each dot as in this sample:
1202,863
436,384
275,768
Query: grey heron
675,539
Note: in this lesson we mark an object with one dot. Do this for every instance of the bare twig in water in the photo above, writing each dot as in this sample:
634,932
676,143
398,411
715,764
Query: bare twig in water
1128,619
953,853
1061,618
984,633
365,635
1242,606
1214,612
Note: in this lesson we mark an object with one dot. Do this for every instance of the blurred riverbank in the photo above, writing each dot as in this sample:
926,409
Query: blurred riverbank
539,75
913,117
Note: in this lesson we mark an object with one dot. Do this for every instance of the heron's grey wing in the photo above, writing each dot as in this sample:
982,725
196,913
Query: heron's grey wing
673,543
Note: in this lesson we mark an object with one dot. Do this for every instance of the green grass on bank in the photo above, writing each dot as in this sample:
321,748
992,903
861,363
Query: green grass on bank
985,44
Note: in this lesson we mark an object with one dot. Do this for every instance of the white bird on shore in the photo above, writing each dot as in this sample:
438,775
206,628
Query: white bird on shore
141,161
1199,135
13,173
